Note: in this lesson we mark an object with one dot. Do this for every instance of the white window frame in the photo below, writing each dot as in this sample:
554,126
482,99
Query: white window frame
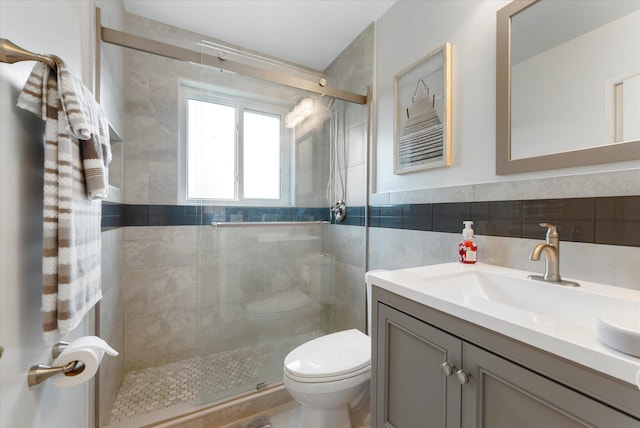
241,105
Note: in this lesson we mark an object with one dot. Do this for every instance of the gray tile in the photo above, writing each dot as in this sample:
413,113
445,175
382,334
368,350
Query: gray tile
443,194
163,183
201,379
395,249
159,247
614,183
160,291
136,181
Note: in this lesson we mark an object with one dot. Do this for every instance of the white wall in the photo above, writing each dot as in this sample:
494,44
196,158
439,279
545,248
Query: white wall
60,27
409,31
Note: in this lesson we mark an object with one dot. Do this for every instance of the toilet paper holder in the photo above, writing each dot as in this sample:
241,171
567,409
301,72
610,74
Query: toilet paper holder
39,373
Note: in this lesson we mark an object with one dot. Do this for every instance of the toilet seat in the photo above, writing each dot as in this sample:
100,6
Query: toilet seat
301,379
336,356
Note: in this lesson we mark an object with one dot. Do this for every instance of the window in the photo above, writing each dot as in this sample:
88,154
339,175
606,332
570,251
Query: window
261,155
232,150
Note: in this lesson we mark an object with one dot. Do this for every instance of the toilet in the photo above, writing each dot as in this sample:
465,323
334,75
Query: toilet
329,375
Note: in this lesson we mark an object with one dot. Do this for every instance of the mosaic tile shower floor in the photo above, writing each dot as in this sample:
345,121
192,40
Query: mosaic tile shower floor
204,378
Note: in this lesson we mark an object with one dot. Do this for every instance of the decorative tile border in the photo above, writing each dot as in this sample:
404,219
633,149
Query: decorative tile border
121,215
606,220
112,215
603,220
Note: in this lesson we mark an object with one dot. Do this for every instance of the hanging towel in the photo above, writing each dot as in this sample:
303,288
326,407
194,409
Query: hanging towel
88,124
71,220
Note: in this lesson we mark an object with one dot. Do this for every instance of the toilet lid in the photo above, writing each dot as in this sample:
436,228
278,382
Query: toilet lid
331,355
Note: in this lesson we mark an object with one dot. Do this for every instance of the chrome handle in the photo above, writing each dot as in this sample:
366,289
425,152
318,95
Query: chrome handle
552,230
339,210
447,368
463,378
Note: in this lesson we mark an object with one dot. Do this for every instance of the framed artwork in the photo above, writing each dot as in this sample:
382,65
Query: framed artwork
422,123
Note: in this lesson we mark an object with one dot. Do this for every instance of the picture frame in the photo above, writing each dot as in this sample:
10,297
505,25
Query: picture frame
422,110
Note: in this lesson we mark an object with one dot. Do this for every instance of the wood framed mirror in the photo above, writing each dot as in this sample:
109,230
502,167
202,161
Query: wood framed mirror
556,108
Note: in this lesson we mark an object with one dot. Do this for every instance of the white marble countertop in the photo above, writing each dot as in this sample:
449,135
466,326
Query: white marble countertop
560,320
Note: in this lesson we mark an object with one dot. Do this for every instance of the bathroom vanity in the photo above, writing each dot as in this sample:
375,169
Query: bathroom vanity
480,345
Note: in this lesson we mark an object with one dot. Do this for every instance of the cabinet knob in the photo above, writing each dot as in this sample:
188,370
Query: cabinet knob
447,368
463,378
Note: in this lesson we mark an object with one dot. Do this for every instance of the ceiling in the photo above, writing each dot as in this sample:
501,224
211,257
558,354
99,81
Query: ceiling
306,32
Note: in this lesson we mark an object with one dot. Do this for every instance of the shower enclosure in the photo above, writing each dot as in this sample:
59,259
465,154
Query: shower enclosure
258,302
218,290
267,275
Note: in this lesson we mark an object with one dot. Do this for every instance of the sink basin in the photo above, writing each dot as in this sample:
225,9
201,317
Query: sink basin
540,301
559,319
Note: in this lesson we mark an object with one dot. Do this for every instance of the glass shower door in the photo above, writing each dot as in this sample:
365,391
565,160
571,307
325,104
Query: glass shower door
263,289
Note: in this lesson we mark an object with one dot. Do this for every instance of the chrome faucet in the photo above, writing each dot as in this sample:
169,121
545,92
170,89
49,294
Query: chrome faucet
551,249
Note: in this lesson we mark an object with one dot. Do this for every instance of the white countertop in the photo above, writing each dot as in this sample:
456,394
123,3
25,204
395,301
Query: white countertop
560,320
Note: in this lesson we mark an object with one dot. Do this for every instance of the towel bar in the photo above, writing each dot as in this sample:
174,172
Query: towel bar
11,53
266,223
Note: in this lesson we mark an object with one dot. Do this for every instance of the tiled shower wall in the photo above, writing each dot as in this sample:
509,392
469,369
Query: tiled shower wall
189,288
112,320
352,70
179,286
151,95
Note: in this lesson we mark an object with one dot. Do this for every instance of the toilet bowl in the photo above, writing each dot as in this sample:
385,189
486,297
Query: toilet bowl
328,375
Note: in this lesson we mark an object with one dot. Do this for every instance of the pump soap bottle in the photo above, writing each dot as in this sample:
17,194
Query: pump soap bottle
468,247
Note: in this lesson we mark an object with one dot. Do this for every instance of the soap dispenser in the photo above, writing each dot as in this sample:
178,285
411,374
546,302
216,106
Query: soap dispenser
467,250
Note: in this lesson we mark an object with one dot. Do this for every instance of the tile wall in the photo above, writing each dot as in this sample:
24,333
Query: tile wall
185,296
611,220
352,70
112,319
151,96
597,214
179,287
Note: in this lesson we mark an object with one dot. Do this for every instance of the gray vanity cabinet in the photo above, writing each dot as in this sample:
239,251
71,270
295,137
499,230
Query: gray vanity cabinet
415,393
502,394
478,388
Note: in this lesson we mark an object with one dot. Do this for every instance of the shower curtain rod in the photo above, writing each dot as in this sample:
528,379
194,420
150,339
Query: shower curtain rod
128,40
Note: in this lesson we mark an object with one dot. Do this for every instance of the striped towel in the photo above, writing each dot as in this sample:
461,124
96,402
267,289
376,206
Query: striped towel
71,220
88,124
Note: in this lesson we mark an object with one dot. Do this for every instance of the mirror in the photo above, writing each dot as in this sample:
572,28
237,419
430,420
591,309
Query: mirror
567,84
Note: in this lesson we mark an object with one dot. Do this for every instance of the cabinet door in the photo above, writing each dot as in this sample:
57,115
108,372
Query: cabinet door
501,394
412,390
